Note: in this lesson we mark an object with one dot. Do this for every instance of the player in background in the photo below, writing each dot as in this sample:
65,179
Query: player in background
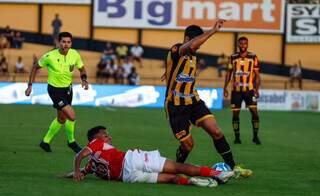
60,64
136,165
245,87
183,104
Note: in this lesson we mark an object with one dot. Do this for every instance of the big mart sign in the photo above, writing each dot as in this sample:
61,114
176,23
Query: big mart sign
242,15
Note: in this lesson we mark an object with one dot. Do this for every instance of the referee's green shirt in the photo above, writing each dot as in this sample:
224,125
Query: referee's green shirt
60,67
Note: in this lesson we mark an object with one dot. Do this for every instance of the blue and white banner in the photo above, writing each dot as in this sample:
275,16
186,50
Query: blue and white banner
104,95
285,100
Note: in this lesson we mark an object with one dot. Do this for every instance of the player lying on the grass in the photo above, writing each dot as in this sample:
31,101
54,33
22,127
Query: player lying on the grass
136,165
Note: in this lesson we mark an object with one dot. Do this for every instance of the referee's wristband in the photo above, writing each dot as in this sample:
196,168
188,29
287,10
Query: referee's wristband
84,77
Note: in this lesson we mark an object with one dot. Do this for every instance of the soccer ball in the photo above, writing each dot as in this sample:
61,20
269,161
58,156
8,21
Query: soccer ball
221,167
221,179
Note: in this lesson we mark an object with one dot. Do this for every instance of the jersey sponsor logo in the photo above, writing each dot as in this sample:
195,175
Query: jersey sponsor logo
242,73
182,95
185,78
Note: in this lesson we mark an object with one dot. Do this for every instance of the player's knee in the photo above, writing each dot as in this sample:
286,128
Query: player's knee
215,132
72,116
62,119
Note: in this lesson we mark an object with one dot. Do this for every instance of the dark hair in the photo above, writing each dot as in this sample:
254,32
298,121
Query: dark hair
193,31
243,38
64,34
93,131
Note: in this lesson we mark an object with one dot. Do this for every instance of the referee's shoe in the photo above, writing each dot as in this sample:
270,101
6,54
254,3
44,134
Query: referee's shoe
45,146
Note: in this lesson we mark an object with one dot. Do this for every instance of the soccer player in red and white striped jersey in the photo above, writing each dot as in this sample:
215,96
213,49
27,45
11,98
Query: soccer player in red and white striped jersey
136,165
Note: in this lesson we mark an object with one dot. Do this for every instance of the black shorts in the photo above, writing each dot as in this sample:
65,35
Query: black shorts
181,117
237,98
60,96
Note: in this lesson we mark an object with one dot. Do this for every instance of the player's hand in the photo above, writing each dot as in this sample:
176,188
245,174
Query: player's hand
217,26
78,176
225,93
85,84
28,91
256,93
163,77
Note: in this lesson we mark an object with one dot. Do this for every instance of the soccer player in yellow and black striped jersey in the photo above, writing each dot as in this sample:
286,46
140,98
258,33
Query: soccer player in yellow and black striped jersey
183,105
245,87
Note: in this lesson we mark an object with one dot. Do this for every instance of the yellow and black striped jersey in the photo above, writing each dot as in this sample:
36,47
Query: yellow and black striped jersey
243,75
180,77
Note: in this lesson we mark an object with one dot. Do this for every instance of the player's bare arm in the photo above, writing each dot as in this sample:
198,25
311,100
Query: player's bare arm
226,82
32,77
70,174
258,82
77,174
84,81
194,44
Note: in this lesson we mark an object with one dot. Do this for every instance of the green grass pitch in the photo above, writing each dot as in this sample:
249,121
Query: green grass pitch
288,162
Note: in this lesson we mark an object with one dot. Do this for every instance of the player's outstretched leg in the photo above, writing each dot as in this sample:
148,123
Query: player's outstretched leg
180,180
192,170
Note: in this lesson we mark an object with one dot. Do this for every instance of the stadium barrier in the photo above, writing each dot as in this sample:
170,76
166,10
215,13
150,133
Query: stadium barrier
286,100
153,97
104,95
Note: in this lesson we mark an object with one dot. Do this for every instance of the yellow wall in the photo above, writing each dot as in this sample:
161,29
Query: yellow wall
75,19
19,16
308,54
118,35
266,46
220,42
161,38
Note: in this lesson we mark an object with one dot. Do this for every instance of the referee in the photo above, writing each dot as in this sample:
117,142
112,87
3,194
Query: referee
60,63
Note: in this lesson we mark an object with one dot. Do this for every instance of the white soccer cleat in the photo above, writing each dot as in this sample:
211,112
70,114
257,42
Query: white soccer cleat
224,176
203,182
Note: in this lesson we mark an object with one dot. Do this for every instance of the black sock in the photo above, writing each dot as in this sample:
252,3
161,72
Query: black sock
224,150
236,127
181,155
255,125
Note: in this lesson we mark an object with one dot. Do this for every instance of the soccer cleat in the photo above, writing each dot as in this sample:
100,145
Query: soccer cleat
240,171
256,140
224,176
75,147
237,141
203,182
45,146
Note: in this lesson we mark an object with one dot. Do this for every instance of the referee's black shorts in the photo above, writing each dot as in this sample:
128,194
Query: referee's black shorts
60,96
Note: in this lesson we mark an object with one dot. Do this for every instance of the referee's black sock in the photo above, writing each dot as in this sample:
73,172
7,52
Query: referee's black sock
224,150
236,127
181,155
